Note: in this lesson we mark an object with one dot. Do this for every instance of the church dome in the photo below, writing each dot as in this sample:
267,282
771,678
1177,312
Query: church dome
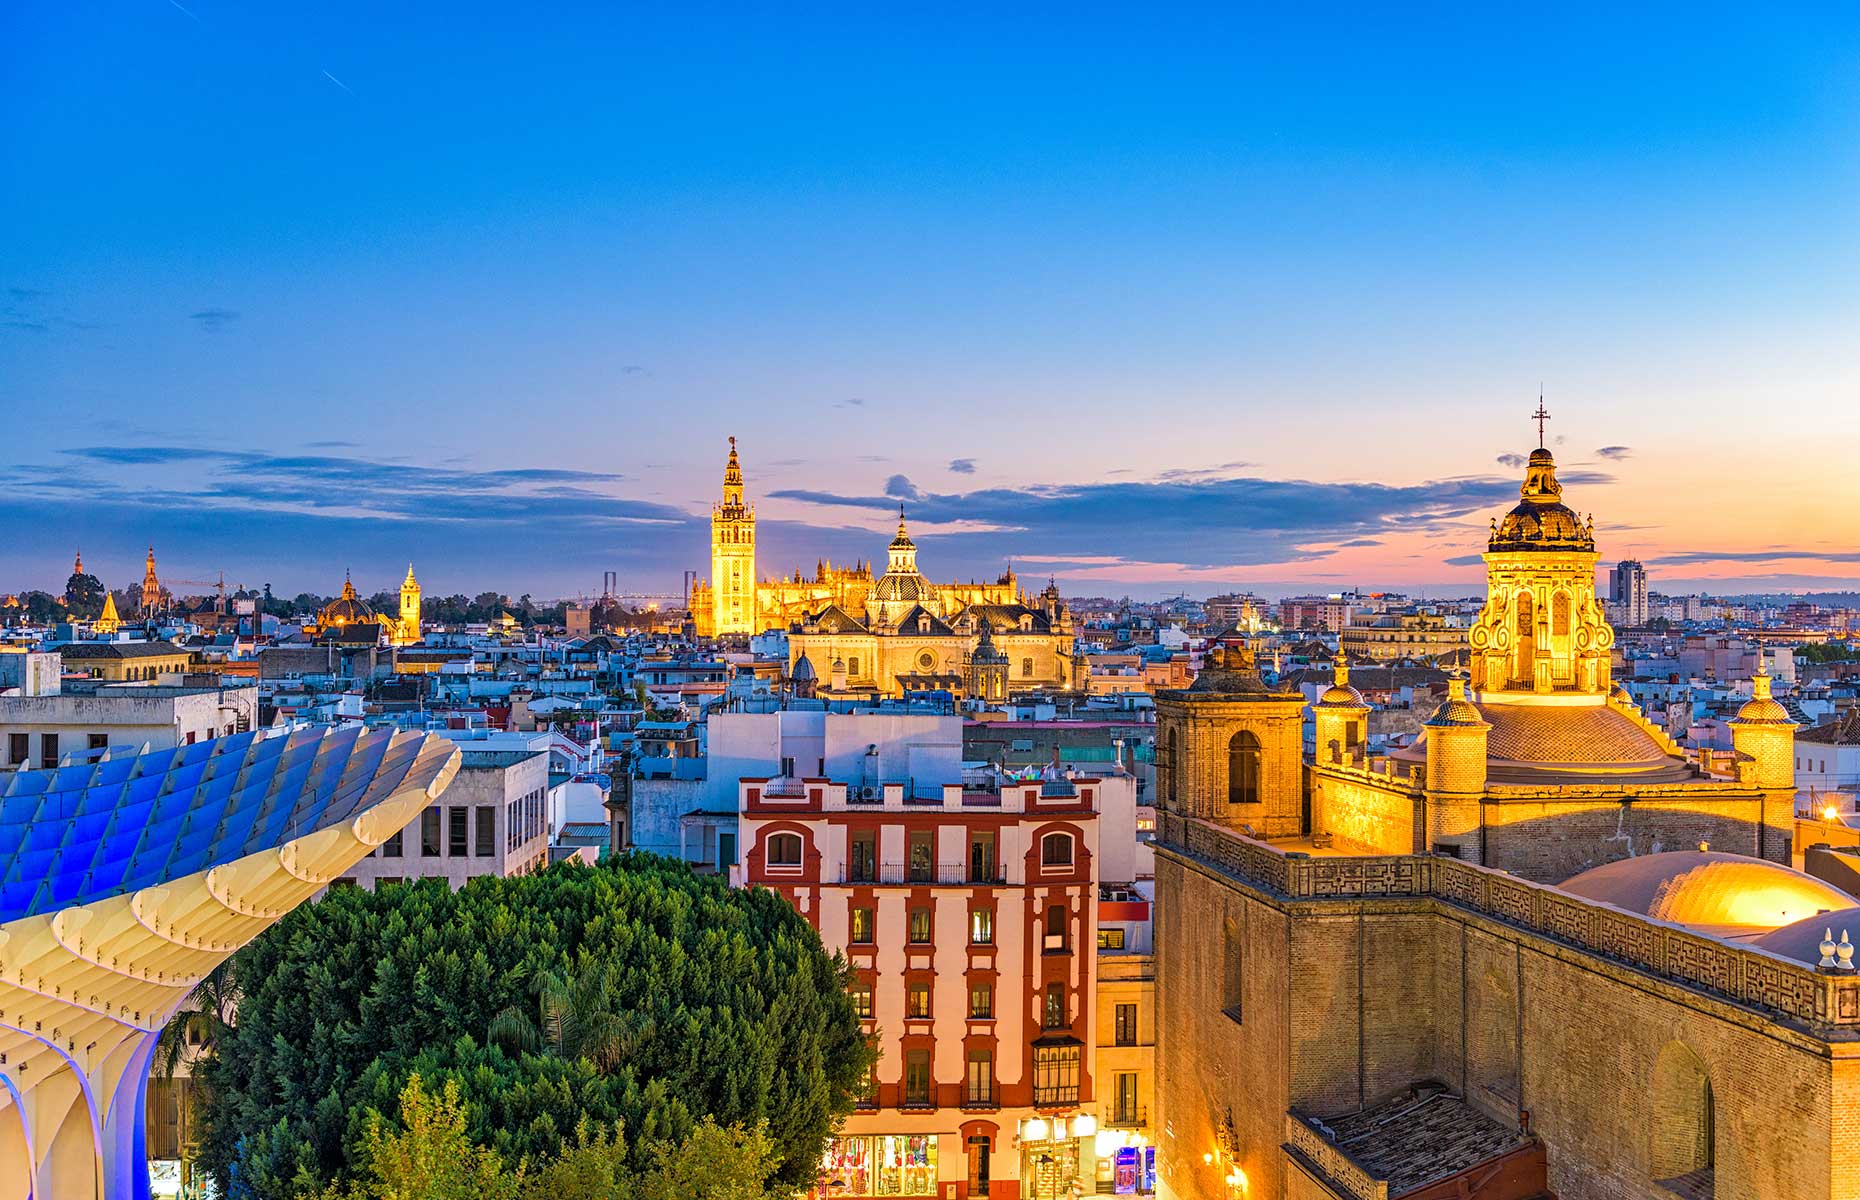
1540,520
1694,887
1456,711
346,609
912,589
1340,694
803,670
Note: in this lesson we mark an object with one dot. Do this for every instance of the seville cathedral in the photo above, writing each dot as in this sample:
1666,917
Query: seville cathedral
1543,952
851,634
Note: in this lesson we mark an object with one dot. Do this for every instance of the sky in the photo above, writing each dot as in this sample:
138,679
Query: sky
1152,301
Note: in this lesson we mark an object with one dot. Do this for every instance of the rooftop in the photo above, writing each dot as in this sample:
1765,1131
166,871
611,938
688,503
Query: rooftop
1419,1137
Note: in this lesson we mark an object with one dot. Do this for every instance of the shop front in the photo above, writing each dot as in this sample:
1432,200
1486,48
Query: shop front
863,1167
1058,1157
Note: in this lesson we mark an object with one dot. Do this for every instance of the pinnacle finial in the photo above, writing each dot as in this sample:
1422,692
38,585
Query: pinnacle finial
1540,416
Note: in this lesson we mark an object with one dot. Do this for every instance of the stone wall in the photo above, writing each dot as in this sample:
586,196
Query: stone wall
1363,977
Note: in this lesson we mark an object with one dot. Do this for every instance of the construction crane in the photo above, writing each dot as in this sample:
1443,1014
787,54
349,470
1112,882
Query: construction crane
218,586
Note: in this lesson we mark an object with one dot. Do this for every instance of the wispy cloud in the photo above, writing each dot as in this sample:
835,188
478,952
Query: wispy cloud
1513,461
1615,453
334,80
1201,523
1775,554
962,466
212,320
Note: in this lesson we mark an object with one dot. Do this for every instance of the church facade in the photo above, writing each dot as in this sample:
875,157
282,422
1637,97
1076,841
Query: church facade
1498,966
350,620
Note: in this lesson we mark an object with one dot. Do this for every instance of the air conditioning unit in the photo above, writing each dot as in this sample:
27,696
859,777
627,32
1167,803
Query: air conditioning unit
869,792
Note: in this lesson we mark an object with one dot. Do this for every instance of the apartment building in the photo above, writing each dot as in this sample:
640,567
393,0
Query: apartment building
969,911
492,820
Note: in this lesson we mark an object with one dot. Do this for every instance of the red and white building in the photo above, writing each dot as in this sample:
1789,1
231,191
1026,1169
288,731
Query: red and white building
968,910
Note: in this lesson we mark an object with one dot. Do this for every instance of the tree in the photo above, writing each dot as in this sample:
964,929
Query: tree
428,1157
84,595
661,998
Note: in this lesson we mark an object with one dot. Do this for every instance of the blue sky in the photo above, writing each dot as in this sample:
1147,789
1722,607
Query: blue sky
1150,300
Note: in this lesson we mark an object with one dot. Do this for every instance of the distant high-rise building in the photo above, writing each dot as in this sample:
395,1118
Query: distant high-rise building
1627,590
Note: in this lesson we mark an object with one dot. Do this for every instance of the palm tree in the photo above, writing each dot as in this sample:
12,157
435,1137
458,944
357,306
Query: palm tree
199,1023
576,1017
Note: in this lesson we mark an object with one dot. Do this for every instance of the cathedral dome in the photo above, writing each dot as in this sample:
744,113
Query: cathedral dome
1456,711
803,670
1540,520
1694,887
346,609
1340,694
912,589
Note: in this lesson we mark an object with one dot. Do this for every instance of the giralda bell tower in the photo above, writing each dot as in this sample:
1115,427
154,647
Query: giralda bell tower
733,555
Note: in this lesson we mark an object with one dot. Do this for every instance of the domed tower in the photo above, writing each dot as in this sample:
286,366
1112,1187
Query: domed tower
733,555
1230,747
1341,716
987,666
1456,773
902,587
1764,733
1542,629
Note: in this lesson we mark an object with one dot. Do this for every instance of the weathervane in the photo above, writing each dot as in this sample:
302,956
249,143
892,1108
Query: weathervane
1540,416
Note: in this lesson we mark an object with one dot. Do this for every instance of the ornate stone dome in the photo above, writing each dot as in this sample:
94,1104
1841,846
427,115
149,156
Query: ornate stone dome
1691,887
346,609
1340,694
909,589
1541,521
1456,711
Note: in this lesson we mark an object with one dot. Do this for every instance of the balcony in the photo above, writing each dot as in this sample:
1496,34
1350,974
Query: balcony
918,1103
898,874
980,1098
1133,1116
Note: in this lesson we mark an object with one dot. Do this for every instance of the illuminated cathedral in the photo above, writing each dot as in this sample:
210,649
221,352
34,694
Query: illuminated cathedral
735,601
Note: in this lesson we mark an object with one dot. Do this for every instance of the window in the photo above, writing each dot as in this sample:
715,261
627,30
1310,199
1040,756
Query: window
1232,963
917,1078
982,856
19,747
456,845
921,855
395,846
1056,850
1056,1074
1124,1106
917,1001
784,850
99,741
982,927
862,923
484,845
981,1001
726,850
1110,939
979,1084
1243,769
1126,1025
919,931
1054,1016
906,1166
861,994
48,748
978,1166
1055,936
852,666
429,832
862,858
1026,668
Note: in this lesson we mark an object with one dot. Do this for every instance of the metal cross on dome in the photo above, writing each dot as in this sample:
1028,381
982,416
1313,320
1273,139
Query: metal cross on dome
1540,416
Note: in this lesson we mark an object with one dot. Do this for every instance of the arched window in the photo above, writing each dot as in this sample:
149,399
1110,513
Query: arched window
1559,614
1682,1153
784,850
1056,850
1243,768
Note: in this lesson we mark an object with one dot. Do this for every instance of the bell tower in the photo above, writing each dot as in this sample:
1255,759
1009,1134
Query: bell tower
1542,630
408,631
733,555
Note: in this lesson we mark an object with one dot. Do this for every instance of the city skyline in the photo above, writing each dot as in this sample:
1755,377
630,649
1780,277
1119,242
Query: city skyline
1186,303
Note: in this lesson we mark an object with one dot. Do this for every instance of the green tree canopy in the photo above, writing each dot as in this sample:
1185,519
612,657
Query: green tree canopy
633,994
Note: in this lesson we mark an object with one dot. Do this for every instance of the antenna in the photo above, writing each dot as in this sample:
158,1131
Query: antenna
1540,416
